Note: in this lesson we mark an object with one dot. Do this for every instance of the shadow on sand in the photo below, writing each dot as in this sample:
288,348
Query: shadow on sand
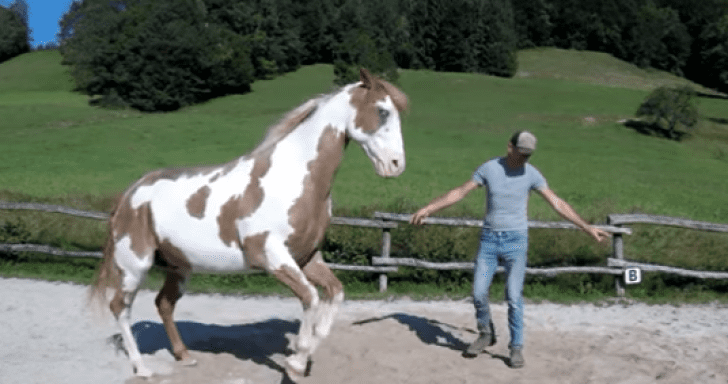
434,332
430,331
256,341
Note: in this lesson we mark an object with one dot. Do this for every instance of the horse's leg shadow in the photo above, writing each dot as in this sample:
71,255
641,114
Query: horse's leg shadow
257,342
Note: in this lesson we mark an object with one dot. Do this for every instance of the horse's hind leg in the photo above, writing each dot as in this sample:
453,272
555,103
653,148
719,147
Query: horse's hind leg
134,270
166,299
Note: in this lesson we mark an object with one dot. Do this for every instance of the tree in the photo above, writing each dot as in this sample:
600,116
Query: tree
358,50
697,19
477,36
272,32
658,39
364,31
155,54
318,36
713,53
533,22
14,34
670,110
68,21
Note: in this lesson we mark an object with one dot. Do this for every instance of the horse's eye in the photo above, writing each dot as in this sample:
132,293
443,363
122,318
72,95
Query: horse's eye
383,115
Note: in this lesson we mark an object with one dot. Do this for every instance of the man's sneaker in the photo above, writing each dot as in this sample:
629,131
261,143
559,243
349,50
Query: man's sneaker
516,360
485,339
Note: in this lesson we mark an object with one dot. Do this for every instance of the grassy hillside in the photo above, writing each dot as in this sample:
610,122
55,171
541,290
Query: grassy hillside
54,144
596,68
55,147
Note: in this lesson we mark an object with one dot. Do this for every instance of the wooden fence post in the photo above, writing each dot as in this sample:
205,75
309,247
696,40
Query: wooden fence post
386,246
618,253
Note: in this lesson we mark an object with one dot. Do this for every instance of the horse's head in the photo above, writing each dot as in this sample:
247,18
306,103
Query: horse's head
376,125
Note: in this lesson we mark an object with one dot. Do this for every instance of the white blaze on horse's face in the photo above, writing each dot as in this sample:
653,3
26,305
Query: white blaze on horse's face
376,124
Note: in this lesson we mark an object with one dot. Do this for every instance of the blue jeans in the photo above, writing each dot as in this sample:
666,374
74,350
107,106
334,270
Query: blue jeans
511,247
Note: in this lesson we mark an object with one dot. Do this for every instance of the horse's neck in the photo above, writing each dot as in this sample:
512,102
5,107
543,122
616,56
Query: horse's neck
314,149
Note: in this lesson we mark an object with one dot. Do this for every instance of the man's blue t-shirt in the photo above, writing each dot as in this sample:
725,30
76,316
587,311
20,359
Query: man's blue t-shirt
507,193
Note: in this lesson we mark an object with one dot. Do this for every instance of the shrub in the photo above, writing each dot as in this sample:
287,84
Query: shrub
670,110
13,232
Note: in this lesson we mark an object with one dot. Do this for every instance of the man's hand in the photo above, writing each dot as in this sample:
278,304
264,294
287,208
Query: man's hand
419,216
597,234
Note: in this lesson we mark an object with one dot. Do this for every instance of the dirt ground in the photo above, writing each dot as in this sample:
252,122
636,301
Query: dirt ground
49,336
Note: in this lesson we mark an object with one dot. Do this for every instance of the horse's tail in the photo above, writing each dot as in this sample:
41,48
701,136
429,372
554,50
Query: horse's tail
108,274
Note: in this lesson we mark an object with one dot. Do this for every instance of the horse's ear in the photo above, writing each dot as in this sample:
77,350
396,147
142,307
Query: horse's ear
366,78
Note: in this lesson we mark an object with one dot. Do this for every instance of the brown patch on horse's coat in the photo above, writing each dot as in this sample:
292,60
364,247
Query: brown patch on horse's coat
399,99
117,302
254,250
231,210
137,224
176,259
238,206
295,281
364,99
309,216
196,203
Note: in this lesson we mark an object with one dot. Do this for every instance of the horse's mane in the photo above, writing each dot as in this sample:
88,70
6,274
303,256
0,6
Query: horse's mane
295,117
288,123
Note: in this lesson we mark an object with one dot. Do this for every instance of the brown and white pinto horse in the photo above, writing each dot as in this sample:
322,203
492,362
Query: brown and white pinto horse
267,210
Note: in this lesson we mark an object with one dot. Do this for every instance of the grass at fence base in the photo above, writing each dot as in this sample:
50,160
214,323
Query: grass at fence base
656,288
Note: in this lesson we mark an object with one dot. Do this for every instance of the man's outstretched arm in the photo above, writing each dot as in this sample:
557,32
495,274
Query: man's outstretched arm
446,200
567,212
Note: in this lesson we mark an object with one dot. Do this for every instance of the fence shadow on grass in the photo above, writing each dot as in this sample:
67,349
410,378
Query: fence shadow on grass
718,120
711,95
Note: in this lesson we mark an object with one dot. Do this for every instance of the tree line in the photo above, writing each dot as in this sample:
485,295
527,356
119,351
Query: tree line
14,30
165,54
684,37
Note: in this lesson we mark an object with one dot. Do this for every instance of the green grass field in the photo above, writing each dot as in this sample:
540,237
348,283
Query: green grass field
57,148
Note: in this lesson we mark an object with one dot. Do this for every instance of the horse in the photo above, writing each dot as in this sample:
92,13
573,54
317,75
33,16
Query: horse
267,210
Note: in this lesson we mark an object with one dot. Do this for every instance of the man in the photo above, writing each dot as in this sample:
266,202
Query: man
508,181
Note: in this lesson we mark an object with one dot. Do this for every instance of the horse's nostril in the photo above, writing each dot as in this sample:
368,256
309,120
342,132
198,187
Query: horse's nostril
395,162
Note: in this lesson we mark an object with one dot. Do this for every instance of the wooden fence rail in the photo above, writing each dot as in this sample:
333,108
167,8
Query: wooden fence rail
388,221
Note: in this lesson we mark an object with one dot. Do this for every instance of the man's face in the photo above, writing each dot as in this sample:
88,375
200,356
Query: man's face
517,157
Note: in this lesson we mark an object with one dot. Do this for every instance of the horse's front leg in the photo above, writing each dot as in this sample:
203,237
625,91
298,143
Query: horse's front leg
306,341
319,274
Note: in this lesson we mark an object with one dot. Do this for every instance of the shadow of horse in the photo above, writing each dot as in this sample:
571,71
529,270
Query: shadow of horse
435,332
256,342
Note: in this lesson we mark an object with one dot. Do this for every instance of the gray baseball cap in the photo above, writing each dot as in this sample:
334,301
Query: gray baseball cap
524,141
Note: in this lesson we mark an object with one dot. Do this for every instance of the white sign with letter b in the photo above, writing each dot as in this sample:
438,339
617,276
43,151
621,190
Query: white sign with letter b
632,275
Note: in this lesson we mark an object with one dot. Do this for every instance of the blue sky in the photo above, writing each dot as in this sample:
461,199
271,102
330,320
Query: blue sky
43,19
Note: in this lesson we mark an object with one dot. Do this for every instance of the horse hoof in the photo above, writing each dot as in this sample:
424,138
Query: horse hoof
143,372
189,362
294,374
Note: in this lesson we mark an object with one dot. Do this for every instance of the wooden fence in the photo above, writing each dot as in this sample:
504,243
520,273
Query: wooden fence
387,221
